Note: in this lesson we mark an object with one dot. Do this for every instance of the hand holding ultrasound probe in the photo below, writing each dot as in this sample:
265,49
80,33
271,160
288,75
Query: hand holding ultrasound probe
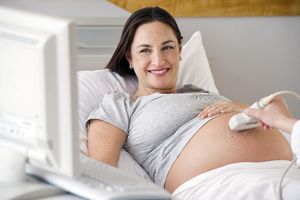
282,120
275,114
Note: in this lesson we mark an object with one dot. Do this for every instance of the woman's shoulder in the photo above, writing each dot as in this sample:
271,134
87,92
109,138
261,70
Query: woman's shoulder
116,96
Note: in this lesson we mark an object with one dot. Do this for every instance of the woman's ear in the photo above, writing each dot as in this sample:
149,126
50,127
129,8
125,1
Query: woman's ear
128,57
180,50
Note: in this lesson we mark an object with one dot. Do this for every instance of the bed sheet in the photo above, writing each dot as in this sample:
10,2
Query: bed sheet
243,181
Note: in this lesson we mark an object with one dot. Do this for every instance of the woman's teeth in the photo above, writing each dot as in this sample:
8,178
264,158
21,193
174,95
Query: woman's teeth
158,71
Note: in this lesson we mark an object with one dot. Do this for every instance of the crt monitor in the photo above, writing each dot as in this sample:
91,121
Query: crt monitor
38,111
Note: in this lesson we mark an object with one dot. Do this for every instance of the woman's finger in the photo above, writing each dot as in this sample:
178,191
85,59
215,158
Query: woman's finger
216,106
220,107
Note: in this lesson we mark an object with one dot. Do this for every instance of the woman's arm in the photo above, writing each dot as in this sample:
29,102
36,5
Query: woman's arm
105,142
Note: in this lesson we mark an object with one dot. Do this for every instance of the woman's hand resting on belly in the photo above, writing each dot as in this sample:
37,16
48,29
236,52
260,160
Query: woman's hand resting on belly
221,107
215,145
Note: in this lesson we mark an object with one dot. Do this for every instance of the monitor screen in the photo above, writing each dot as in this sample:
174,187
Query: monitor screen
38,98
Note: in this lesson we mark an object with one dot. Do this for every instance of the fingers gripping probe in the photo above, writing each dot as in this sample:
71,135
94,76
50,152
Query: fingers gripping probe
241,121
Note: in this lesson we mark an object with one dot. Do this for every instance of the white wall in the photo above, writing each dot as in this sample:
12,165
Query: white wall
251,57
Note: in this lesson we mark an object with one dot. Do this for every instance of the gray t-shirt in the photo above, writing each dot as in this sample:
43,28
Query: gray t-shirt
157,126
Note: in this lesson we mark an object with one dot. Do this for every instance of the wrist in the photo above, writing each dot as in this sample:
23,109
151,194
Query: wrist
286,124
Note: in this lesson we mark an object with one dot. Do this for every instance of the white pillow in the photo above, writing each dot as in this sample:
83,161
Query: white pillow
92,85
194,67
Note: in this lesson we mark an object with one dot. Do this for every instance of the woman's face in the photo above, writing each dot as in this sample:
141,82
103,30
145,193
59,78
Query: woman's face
154,55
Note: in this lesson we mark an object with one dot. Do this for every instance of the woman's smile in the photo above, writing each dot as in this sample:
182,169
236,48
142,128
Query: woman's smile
159,72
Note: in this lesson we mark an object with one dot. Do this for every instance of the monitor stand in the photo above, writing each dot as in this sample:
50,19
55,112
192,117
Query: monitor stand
15,184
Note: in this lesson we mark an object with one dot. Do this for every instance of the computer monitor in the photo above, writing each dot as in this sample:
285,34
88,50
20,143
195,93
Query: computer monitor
38,98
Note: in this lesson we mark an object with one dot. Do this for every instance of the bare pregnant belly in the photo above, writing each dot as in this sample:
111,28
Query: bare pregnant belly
215,145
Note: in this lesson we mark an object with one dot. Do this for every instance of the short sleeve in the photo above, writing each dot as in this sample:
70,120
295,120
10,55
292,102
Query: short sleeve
113,109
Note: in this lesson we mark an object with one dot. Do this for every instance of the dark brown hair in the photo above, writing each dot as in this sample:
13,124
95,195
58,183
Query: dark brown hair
118,62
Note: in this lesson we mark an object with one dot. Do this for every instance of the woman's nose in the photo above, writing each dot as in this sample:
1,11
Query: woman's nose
157,58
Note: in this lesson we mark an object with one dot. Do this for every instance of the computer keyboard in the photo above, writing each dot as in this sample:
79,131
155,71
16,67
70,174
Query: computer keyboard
101,181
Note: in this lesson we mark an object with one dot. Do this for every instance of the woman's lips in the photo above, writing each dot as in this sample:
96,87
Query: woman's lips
159,71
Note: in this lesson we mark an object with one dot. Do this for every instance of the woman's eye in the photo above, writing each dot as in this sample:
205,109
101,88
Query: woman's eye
145,51
168,47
